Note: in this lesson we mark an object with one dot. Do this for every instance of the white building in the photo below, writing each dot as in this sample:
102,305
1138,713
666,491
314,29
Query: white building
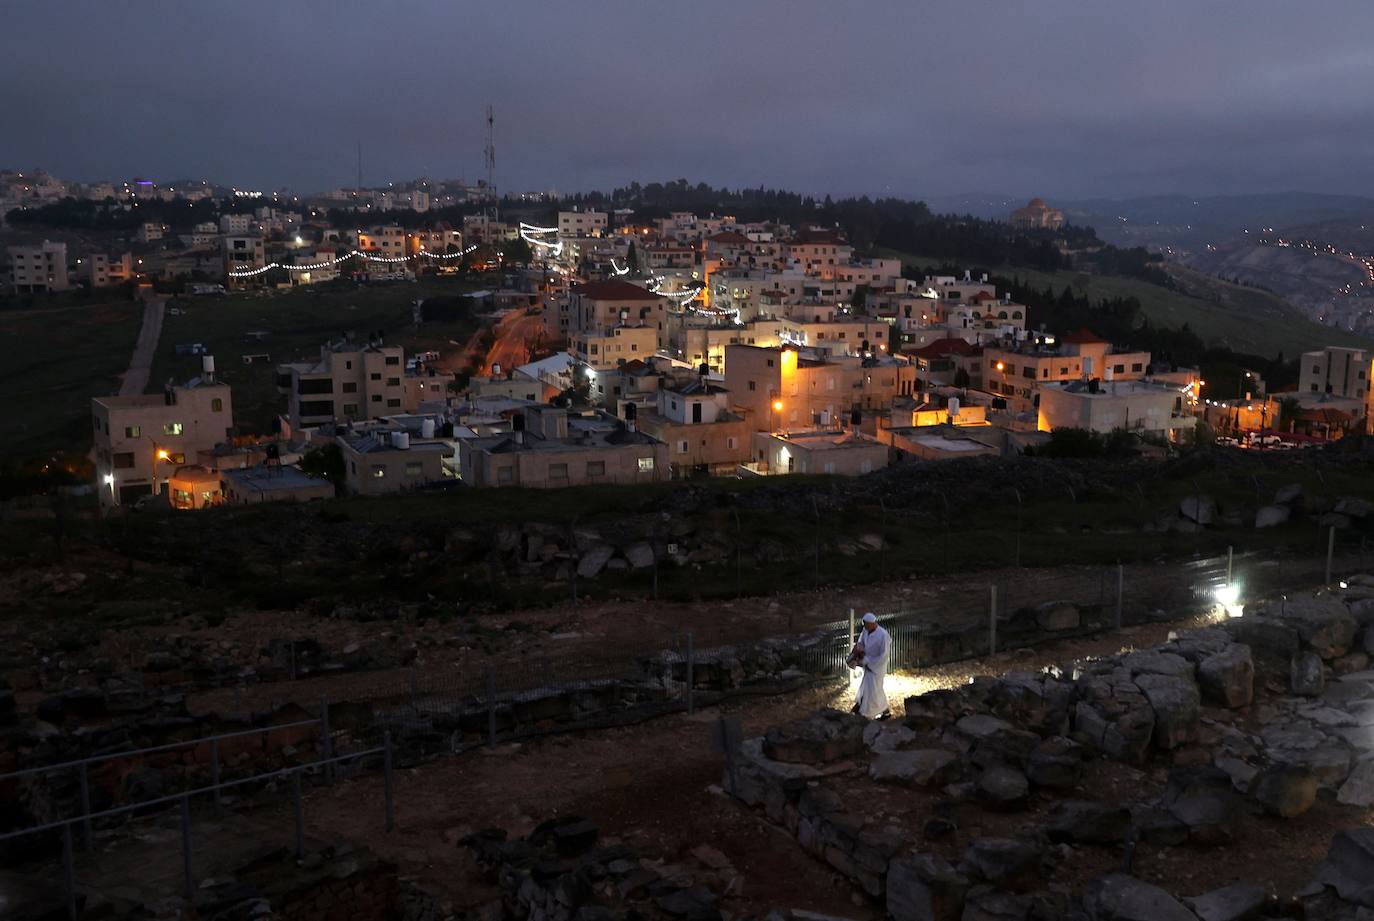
39,268
581,223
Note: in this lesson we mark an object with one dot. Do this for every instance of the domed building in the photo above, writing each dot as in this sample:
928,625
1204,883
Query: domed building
1037,216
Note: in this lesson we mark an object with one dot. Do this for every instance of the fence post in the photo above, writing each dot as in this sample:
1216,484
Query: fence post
691,665
85,806
214,769
849,642
1230,562
69,870
186,845
491,707
387,782
992,623
1120,591
326,740
1330,552
299,812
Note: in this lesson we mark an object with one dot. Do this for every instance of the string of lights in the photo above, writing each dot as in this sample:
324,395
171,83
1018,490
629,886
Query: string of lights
330,263
530,233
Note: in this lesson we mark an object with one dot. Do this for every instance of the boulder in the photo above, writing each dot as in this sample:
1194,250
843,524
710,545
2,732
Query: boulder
1209,817
1237,902
1349,865
1354,507
1227,678
640,555
1324,622
987,904
1199,509
1002,787
1113,716
887,737
1358,789
1118,897
1157,662
1307,674
1011,863
826,735
593,560
1058,615
1032,701
1286,790
1175,703
1057,763
1289,494
1271,516
924,887
1087,822
922,767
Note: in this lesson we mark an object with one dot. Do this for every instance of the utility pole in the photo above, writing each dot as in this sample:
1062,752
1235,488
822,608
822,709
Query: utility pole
489,155
358,188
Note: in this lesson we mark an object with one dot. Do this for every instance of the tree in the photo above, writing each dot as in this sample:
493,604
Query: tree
518,252
1288,413
632,259
961,379
860,298
325,462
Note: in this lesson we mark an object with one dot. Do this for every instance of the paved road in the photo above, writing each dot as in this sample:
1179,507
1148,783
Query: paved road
135,380
514,335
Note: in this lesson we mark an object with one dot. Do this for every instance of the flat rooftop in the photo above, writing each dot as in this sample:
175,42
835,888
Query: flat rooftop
268,479
836,440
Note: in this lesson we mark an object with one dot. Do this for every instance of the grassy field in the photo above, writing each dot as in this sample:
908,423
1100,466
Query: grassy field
1223,314
59,354
297,323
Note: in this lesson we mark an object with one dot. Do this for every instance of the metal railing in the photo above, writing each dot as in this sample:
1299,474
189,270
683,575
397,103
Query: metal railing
183,799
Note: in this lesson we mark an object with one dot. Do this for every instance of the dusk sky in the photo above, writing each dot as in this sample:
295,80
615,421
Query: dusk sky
1063,98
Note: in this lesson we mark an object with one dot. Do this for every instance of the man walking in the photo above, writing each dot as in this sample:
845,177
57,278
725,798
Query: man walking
874,644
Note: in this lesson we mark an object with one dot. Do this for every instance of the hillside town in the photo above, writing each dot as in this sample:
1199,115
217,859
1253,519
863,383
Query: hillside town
672,347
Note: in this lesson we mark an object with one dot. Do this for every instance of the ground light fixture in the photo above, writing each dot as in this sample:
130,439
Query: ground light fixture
1228,596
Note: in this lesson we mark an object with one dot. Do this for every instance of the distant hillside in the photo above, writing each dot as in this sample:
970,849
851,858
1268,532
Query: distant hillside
1222,314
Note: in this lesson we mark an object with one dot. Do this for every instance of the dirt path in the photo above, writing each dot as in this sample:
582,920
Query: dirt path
135,380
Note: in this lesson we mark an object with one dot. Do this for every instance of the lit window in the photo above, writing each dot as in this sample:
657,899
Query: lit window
378,471
171,428
133,431
414,468
646,464
216,405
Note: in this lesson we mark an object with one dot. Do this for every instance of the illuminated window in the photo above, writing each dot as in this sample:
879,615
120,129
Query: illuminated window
646,464
171,428
133,431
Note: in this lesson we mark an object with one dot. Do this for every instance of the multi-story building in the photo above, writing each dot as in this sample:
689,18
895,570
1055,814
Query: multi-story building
350,381
42,267
694,420
549,448
1018,371
784,389
581,223
151,232
601,350
141,439
1037,216
1340,371
821,253
235,225
99,271
243,253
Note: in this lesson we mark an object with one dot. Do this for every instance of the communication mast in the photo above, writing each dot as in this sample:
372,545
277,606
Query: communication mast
489,155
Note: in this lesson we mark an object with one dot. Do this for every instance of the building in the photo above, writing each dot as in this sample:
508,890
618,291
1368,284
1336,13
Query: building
694,420
1338,371
549,448
603,350
581,223
785,389
272,483
1018,371
100,271
140,440
1105,406
193,487
1037,216
38,268
384,460
350,381
833,452
941,442
235,225
150,232
243,253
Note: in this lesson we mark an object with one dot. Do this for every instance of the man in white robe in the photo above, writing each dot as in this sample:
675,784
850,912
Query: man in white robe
871,701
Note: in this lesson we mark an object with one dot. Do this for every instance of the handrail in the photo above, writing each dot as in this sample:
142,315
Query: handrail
187,794
171,746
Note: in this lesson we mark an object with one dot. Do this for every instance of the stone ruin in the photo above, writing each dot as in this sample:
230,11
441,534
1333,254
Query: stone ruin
1031,796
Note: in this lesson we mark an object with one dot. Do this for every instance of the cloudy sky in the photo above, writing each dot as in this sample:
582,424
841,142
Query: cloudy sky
1064,98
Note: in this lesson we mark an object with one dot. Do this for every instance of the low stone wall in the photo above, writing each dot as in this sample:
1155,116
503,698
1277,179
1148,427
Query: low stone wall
1025,744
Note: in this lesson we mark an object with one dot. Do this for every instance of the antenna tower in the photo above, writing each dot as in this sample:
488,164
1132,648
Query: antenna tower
489,155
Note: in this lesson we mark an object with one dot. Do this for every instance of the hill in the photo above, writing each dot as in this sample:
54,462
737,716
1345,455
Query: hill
1223,314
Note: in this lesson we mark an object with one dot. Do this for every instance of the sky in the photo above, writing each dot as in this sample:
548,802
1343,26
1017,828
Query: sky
1060,98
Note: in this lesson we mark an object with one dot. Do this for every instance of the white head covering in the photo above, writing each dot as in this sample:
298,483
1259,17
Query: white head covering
869,618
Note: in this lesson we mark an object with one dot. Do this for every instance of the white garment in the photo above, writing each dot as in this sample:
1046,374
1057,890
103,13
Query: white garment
872,699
